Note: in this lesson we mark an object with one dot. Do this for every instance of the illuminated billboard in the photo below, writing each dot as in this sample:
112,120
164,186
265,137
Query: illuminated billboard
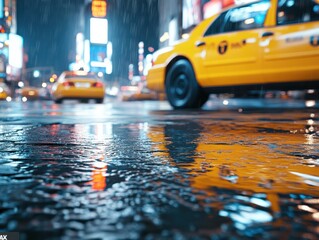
15,51
191,13
98,30
227,3
99,8
215,6
212,7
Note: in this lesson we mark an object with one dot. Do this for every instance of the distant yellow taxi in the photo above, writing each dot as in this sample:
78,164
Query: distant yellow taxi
4,91
78,85
29,93
267,44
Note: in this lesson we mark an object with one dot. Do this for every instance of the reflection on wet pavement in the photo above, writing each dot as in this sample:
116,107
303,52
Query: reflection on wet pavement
178,179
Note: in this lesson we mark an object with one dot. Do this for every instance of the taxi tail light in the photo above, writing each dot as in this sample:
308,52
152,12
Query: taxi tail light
68,84
98,85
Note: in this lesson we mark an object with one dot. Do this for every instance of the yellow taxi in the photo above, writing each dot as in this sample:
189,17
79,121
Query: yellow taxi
4,91
29,93
267,44
78,85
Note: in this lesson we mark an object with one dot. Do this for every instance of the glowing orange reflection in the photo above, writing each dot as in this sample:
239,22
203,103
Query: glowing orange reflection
98,182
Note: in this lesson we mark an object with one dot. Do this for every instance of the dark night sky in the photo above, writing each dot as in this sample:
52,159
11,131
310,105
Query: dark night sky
49,28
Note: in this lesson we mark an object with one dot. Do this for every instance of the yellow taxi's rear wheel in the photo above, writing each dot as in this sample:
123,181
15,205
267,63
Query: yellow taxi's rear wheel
84,100
99,100
182,89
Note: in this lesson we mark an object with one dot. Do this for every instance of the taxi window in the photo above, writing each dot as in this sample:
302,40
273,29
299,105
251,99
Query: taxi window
297,11
217,26
250,16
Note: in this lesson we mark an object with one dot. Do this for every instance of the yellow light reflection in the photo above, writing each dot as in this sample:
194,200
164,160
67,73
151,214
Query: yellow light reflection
238,160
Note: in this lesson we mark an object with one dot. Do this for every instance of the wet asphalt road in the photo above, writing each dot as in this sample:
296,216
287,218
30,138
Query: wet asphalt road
237,169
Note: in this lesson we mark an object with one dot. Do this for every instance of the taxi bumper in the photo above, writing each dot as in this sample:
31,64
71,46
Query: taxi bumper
156,78
79,93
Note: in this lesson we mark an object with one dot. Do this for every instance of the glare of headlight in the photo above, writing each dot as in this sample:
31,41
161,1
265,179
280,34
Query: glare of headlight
21,84
24,99
9,99
44,85
1,89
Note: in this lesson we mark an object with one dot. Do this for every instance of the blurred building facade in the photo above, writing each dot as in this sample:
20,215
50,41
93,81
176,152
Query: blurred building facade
179,17
11,44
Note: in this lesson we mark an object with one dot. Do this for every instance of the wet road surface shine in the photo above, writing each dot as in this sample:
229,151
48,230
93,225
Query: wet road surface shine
169,175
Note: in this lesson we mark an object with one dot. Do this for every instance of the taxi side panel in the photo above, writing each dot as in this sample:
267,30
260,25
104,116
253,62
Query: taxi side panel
292,54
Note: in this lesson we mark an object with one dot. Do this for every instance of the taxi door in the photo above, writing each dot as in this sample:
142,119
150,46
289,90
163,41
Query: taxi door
230,49
291,48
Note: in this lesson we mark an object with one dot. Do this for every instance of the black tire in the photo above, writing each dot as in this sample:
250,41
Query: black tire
58,101
182,89
84,100
99,100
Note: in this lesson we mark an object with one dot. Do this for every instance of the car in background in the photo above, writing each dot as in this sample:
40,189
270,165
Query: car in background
4,91
79,85
29,93
32,93
135,93
266,44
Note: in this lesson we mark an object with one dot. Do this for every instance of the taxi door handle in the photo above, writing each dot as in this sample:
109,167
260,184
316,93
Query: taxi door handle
267,34
200,43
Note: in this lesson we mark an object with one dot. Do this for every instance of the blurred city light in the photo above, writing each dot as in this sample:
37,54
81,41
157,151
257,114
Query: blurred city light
36,74
109,50
310,103
164,37
226,102
21,84
185,36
